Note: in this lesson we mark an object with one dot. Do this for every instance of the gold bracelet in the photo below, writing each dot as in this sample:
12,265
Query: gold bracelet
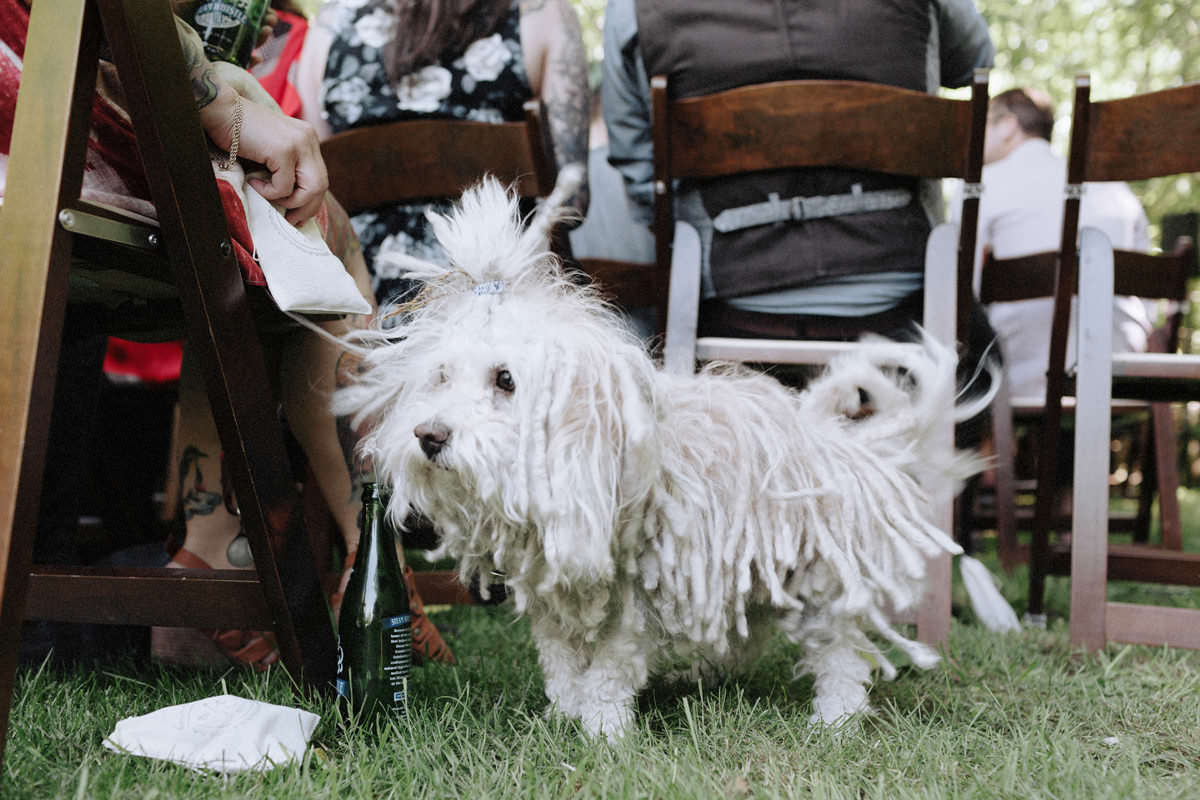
238,113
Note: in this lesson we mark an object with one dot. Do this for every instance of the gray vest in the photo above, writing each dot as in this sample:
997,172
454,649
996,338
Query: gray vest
706,46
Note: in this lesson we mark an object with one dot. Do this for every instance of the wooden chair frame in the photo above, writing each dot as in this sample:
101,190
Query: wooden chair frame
1150,135
820,123
41,223
1162,277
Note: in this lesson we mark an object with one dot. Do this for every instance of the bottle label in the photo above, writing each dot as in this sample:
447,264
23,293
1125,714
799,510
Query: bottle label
397,657
219,15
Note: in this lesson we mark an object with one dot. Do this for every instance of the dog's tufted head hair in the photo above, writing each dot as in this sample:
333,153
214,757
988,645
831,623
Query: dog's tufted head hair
509,404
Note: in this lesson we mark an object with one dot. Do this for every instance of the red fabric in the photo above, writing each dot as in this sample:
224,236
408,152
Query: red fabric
239,232
14,21
279,54
148,362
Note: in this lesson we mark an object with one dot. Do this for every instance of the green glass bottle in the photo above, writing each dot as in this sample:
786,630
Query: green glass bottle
375,624
228,28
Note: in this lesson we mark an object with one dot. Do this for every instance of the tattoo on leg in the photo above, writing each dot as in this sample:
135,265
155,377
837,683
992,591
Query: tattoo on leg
197,500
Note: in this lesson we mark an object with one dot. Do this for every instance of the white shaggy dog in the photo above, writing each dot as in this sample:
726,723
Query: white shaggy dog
637,516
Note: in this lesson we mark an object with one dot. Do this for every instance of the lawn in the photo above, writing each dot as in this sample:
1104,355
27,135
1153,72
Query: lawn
1018,716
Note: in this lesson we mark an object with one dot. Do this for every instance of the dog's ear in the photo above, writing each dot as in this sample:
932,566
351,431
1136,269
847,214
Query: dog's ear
599,455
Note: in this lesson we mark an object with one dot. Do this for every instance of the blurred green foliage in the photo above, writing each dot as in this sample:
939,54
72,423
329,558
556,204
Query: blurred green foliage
1128,47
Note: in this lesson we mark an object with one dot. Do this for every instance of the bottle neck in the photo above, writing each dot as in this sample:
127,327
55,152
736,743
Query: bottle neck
378,539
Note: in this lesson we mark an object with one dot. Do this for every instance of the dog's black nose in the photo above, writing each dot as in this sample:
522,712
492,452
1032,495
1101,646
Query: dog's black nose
433,436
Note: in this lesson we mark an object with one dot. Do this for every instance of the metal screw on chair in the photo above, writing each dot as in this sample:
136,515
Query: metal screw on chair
66,218
152,239
225,247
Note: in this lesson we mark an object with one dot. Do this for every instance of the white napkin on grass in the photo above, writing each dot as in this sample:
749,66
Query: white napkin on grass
223,734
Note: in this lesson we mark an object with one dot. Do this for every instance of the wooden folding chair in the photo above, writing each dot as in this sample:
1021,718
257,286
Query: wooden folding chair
847,124
1153,277
43,227
1133,138
427,159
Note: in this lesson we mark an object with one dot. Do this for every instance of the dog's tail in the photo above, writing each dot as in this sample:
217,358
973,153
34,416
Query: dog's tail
895,396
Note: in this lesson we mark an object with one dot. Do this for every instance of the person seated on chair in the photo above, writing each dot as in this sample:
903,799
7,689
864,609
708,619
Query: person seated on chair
816,278
374,62
609,230
1020,213
289,150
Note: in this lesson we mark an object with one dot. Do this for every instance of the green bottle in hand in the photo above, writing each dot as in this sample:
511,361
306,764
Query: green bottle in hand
228,28
375,624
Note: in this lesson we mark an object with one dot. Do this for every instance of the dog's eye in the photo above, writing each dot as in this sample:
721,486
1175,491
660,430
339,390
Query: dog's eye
504,381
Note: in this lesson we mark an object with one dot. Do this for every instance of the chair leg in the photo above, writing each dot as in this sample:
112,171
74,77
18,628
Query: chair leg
1144,450
1166,469
940,320
1045,507
1093,420
1003,446
51,133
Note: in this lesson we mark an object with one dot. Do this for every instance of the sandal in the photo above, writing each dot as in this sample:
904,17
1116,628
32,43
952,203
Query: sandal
339,591
257,649
426,641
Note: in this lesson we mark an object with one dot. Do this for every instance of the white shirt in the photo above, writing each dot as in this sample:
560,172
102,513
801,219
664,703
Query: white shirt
1020,213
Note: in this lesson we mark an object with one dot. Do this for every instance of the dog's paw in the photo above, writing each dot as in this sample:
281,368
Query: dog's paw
836,709
610,721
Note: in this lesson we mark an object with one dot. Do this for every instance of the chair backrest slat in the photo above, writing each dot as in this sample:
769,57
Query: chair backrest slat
819,123
417,159
1020,278
1144,136
1155,277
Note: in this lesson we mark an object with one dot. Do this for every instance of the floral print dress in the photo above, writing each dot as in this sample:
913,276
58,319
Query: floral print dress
487,82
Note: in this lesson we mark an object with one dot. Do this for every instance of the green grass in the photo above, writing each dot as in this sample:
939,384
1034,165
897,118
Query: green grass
1018,716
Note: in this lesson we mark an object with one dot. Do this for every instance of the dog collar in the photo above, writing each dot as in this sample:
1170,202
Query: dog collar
491,287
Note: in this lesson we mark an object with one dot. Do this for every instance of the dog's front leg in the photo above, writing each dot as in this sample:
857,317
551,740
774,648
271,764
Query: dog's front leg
562,669
609,687
596,683
842,675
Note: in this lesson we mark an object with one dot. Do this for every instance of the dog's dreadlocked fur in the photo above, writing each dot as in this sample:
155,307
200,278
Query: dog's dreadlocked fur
636,515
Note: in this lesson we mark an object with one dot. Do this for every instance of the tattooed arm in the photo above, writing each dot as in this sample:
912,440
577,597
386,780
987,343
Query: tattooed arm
553,48
287,147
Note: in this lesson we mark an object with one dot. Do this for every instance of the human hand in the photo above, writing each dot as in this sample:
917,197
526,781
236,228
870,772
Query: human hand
291,152
287,147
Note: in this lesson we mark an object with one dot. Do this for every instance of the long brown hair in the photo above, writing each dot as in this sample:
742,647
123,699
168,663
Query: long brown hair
427,30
